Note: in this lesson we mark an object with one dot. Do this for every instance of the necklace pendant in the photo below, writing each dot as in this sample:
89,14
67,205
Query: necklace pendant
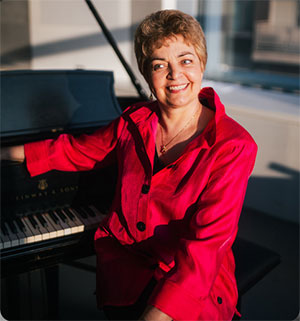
163,149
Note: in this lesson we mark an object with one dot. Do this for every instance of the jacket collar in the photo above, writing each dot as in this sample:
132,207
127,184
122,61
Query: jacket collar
209,98
145,117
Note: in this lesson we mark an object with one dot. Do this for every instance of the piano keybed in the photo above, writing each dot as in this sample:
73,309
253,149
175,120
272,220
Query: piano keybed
38,227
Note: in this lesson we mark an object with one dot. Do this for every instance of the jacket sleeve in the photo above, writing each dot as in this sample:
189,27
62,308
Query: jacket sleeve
211,233
67,153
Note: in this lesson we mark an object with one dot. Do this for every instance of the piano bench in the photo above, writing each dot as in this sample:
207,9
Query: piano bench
253,262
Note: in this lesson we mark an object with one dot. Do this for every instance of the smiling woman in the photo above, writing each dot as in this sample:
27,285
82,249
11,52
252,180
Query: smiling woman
164,250
172,57
175,80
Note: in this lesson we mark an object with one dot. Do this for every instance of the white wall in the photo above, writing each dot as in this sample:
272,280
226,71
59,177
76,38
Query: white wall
65,35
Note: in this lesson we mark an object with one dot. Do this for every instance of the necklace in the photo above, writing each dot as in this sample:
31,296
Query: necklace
163,147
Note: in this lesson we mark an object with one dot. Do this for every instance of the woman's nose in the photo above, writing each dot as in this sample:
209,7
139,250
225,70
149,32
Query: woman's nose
174,72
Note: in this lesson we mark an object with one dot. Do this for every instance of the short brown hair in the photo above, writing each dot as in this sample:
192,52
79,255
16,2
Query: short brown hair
158,26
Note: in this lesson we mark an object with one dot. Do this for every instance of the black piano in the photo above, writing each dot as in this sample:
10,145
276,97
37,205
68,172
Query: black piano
43,215
51,218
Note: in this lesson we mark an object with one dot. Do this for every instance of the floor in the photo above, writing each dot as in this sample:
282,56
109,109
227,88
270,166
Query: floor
276,297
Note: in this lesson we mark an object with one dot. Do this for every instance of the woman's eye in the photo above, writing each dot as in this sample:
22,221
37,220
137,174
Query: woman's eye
157,66
187,61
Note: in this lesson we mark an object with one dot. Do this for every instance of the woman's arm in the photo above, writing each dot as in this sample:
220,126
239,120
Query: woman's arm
69,153
14,153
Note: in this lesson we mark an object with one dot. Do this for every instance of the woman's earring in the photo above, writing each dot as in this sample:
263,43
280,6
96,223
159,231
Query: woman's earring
151,96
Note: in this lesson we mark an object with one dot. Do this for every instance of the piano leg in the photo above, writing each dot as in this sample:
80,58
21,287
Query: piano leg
52,291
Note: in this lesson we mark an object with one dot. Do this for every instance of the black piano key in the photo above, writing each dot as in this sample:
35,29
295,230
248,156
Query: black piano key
89,211
64,225
81,212
12,236
33,221
12,226
42,220
69,214
3,228
20,224
54,217
61,215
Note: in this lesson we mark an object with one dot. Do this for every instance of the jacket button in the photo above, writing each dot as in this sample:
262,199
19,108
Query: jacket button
141,226
219,299
145,189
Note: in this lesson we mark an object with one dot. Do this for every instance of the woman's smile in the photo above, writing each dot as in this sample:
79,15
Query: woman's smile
177,88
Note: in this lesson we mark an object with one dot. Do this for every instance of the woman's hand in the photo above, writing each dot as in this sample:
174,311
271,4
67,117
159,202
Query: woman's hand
14,153
153,314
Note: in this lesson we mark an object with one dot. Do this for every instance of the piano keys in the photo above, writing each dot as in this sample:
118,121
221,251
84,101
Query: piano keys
48,225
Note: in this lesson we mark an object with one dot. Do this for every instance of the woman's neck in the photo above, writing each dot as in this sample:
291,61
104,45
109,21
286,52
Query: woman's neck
177,127
174,118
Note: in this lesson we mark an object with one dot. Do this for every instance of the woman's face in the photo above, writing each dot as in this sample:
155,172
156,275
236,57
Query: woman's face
175,74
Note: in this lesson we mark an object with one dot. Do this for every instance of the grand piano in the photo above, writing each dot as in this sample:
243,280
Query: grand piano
51,218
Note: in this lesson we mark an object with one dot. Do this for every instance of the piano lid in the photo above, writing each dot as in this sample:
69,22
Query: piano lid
48,101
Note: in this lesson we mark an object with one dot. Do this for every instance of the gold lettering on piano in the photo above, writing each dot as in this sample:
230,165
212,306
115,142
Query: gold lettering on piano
41,193
42,185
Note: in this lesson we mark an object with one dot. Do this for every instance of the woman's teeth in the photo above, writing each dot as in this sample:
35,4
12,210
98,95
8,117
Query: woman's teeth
177,87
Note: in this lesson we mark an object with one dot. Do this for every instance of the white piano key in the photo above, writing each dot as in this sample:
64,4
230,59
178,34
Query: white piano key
73,222
66,228
13,237
35,232
26,230
20,235
68,221
5,239
87,222
77,221
50,227
59,229
43,231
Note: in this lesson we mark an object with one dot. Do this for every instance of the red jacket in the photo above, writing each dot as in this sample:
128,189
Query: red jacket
179,224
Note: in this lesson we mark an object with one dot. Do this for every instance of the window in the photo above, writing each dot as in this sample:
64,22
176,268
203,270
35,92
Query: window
253,42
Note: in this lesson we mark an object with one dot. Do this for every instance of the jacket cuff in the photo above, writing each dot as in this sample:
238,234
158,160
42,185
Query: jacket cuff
36,157
175,301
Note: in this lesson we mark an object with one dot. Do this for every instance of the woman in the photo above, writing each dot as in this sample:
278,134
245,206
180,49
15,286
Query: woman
183,171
